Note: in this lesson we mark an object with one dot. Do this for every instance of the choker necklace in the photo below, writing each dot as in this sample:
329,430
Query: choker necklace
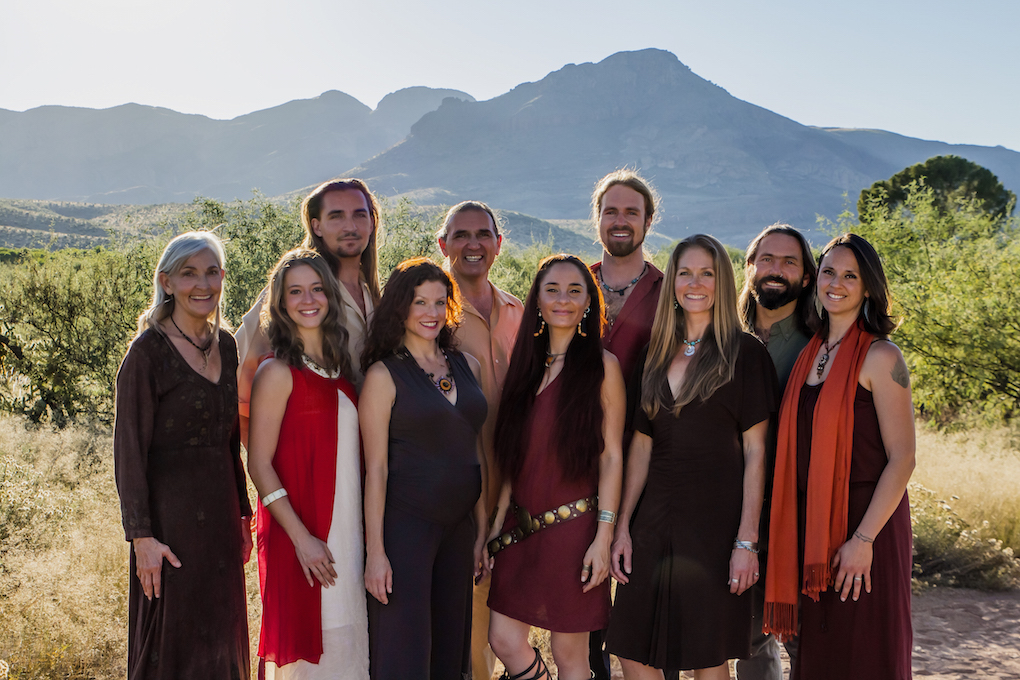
318,369
551,358
445,382
820,368
691,344
204,350
621,291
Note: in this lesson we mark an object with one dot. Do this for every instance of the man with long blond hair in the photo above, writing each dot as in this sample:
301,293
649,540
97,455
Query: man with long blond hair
341,221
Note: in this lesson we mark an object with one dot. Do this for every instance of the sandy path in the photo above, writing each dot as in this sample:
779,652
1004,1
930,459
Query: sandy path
962,634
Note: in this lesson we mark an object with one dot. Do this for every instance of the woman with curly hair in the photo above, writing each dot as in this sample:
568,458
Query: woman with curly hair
304,460
687,554
558,446
421,415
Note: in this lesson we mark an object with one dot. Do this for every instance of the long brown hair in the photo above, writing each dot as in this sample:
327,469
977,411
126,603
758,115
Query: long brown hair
281,329
386,333
874,317
311,208
579,411
804,311
713,365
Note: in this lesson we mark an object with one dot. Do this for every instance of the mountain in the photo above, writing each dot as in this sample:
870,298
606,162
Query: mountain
722,165
146,154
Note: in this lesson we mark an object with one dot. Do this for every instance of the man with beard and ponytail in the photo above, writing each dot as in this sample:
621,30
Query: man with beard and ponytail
777,305
623,209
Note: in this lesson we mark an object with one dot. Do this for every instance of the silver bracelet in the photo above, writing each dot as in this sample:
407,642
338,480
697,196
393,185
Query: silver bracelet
858,534
275,496
607,516
750,546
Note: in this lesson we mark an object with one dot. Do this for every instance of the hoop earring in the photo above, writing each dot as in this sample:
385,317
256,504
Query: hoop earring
541,329
580,329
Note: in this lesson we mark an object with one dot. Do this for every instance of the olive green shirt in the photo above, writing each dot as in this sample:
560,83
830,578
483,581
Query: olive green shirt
785,344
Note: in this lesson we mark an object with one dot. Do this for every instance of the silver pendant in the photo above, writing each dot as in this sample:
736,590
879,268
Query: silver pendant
689,352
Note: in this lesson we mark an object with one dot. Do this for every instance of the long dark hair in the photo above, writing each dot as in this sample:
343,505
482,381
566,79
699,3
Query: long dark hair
804,312
579,411
311,208
281,329
386,333
874,317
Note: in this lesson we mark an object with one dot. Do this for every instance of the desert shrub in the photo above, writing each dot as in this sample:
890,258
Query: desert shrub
950,552
65,320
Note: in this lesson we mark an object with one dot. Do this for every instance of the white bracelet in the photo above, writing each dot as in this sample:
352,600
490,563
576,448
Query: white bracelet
275,496
607,516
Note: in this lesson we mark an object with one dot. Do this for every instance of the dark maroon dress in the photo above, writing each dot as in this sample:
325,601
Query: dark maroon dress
180,479
538,581
677,611
870,638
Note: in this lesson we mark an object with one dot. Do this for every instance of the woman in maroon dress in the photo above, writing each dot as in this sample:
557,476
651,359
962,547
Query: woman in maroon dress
558,437
845,455
179,475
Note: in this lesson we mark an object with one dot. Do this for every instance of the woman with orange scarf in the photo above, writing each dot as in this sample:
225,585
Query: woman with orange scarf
844,456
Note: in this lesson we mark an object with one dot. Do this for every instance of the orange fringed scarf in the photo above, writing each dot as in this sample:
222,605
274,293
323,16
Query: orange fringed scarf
828,481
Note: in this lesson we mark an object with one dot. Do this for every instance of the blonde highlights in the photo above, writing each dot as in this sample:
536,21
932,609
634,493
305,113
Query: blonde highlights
714,363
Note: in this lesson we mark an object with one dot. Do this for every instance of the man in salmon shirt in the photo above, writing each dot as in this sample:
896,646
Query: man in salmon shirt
471,240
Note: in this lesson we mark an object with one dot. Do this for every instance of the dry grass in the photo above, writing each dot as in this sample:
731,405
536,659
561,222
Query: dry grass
63,560
977,472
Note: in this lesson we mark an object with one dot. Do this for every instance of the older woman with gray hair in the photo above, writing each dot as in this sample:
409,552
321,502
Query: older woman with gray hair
182,489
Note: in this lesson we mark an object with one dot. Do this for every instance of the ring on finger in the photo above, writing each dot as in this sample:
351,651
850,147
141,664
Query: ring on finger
858,578
734,580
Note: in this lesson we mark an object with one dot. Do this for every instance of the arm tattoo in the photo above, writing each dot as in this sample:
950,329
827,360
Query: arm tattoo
900,374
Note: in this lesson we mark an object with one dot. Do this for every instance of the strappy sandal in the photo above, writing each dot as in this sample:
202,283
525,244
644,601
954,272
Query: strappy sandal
537,666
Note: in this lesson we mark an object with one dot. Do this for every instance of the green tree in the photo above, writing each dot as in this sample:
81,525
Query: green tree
956,183
955,278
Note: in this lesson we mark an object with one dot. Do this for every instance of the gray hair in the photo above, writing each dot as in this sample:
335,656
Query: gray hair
174,256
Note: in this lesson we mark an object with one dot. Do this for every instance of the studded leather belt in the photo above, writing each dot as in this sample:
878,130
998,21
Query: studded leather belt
528,524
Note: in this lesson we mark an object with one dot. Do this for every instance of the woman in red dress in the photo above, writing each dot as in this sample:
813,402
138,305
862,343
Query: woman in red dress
558,445
304,460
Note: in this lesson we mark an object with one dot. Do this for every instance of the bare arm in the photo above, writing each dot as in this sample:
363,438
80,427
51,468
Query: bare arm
374,408
885,374
633,487
252,345
744,563
270,391
614,405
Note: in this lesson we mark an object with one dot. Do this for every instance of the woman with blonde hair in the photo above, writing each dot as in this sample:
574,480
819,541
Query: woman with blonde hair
686,556
304,458
182,488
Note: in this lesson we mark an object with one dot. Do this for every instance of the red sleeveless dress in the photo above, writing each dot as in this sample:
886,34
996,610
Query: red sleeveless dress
538,581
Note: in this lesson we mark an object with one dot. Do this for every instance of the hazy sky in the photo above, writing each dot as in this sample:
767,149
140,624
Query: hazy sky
934,69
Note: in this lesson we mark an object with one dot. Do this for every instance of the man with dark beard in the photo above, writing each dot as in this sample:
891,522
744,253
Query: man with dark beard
777,305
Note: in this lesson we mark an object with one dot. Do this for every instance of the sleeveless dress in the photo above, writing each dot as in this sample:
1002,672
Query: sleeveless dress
677,611
180,480
313,632
871,638
537,580
433,484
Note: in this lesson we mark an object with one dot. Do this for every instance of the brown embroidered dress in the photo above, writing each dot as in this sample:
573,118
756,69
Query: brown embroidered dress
179,474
